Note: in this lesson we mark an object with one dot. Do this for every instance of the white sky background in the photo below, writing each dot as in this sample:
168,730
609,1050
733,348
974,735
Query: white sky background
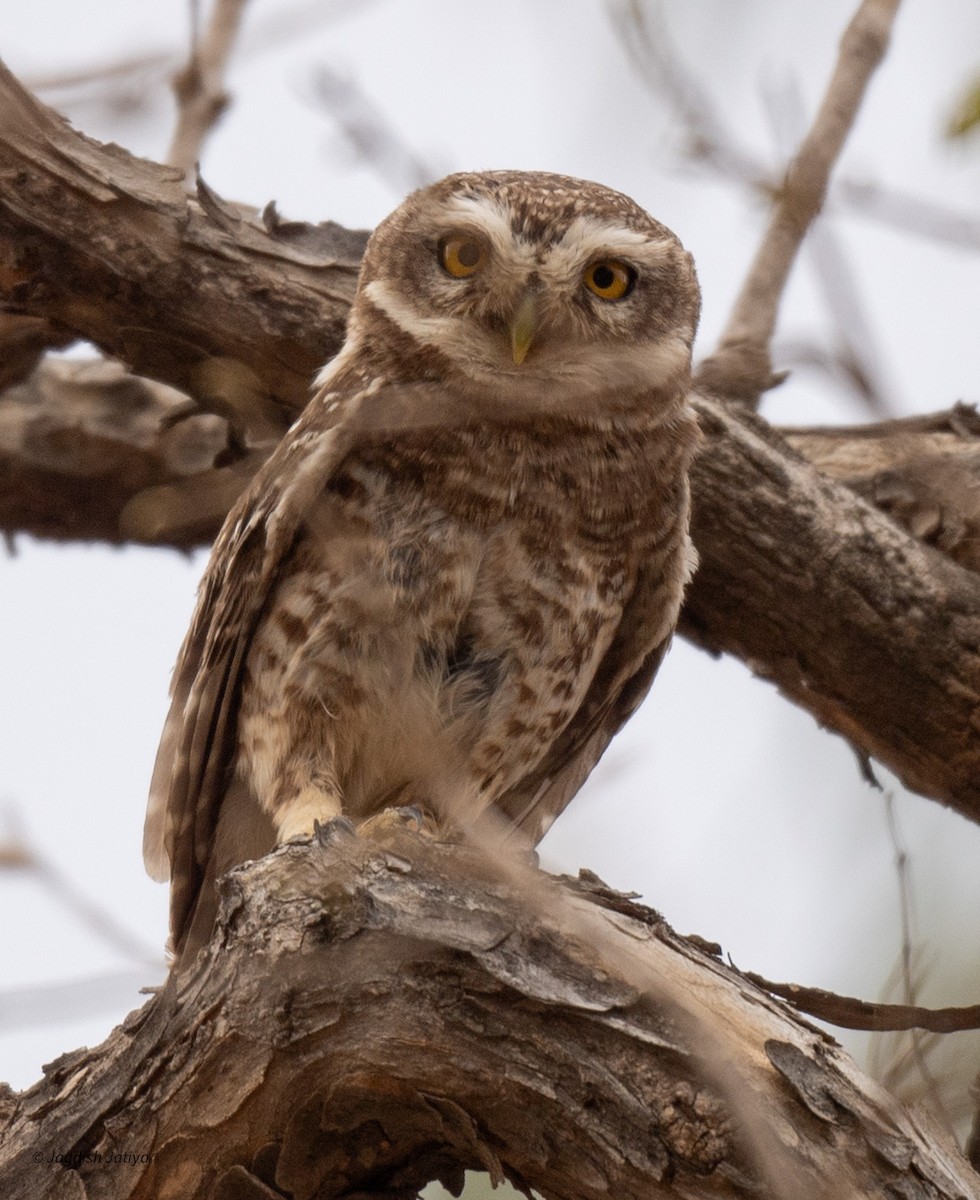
728,809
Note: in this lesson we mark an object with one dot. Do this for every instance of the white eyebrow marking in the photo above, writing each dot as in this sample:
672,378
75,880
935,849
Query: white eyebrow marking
429,330
586,237
493,221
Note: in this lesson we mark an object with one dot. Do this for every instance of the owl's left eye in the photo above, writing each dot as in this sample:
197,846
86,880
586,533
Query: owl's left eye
462,256
609,279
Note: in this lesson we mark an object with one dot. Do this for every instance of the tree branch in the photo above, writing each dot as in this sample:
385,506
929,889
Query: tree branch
874,633
337,1039
646,41
741,365
922,471
199,86
81,442
110,248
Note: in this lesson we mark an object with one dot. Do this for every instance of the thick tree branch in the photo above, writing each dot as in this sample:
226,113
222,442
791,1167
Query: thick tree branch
80,441
338,1039
23,341
874,634
923,471
110,248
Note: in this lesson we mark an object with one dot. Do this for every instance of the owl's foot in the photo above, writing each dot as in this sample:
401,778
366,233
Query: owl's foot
310,807
401,816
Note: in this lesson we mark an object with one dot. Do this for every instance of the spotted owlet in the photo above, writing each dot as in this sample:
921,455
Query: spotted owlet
456,576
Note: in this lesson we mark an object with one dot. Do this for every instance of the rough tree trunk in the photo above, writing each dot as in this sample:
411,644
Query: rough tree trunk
374,1015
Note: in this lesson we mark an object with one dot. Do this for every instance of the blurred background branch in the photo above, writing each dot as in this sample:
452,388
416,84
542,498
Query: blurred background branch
199,85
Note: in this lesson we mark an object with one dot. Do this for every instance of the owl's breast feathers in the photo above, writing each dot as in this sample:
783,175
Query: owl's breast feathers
448,605
439,609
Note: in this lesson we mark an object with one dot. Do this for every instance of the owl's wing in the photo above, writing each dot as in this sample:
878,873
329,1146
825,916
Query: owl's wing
194,765
620,683
194,762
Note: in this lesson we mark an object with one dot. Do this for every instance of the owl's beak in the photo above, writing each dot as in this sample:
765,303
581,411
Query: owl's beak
523,326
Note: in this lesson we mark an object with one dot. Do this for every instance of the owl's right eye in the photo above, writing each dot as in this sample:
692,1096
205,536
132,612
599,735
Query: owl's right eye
462,256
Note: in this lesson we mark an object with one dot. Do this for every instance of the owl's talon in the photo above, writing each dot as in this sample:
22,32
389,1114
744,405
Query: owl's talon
334,830
411,814
398,816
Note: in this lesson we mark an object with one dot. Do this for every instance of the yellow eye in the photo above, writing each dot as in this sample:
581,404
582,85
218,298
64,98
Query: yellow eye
461,255
609,279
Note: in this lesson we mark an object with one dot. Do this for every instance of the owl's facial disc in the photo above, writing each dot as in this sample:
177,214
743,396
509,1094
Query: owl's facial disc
528,286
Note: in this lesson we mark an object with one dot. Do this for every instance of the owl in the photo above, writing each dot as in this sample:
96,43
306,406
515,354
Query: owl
455,578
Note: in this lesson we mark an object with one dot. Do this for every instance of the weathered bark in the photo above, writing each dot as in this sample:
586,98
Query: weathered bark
374,1015
109,247
923,471
873,632
79,441
856,621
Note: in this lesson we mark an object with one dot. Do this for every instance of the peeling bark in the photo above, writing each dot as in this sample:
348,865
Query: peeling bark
375,1015
923,471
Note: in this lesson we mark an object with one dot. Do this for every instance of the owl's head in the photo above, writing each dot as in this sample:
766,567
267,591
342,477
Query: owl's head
521,282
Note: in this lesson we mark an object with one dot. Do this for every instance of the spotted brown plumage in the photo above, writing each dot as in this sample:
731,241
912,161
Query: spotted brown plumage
456,576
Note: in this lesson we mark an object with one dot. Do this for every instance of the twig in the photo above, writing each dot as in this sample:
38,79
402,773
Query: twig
741,365
72,999
858,347
647,43
848,1012
836,362
18,853
109,83
199,86
907,905
911,214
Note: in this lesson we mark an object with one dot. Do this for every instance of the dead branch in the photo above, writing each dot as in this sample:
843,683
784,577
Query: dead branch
847,1012
857,345
924,472
79,441
372,139
199,86
338,1038
741,366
